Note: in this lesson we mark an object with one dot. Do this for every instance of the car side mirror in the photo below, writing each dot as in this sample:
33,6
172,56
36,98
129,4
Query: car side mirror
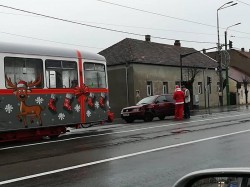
221,177
156,102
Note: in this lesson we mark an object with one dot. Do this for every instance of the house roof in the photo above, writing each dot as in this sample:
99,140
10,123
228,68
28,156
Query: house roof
244,53
238,75
144,52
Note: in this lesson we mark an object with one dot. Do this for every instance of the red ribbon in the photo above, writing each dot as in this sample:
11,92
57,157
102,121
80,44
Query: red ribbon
79,91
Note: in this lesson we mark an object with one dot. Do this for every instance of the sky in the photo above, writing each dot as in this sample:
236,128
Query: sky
20,27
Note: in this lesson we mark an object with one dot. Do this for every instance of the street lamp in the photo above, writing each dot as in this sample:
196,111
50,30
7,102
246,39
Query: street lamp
227,65
226,5
226,33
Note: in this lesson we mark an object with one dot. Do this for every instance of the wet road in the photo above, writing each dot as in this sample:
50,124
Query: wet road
139,154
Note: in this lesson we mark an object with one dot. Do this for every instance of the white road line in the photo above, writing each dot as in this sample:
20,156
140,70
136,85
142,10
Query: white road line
118,157
118,132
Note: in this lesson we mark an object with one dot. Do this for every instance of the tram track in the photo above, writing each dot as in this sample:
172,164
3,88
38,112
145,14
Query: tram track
117,139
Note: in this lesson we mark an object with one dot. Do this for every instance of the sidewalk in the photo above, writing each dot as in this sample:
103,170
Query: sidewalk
219,109
205,111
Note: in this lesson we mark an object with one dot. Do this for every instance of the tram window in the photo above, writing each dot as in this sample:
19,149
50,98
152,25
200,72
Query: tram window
61,74
25,69
94,75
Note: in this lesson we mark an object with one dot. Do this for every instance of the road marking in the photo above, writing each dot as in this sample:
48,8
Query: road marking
118,158
118,132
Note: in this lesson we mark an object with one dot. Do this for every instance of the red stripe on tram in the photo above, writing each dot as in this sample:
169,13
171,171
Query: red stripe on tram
82,104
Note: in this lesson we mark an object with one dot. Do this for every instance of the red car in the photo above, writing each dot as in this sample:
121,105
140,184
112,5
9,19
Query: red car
154,106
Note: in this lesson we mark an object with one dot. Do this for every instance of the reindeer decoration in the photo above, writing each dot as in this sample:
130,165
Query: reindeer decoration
21,90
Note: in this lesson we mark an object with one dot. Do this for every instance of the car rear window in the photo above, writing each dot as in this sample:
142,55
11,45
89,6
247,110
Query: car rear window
147,100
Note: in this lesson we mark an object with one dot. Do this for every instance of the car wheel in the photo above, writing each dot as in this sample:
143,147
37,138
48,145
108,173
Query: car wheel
129,120
162,117
148,117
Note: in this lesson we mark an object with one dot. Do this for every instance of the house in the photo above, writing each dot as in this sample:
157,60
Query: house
137,69
239,85
239,74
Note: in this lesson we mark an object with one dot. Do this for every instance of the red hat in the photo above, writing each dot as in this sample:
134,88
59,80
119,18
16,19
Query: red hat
22,84
177,86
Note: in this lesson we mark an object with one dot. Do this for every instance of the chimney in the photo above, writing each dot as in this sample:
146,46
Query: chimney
147,38
242,49
204,51
177,43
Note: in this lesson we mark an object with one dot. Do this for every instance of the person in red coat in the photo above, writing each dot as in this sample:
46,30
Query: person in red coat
179,102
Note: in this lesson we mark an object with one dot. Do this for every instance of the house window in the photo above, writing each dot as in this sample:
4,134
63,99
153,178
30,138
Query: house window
165,88
199,87
149,88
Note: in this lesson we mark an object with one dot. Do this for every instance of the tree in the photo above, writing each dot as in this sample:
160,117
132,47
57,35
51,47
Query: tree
189,77
190,74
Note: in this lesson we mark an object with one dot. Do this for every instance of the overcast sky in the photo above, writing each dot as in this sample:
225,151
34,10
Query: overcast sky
15,24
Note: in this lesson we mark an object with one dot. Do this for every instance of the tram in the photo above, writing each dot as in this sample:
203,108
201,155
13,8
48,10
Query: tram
44,90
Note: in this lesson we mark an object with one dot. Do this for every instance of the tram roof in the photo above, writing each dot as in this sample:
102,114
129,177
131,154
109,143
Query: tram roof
47,51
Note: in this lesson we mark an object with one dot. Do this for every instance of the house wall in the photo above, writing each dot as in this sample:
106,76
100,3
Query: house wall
160,74
232,86
242,96
118,97
139,74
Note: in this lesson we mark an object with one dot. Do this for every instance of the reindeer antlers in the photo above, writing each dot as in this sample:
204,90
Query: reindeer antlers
9,83
36,82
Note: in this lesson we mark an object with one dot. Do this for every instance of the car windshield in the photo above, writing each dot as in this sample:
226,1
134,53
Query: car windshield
146,100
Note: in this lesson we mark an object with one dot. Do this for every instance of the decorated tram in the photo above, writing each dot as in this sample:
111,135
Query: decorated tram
44,90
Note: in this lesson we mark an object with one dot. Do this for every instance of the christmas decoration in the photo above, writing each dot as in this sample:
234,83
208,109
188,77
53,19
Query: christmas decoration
102,100
8,108
61,116
90,100
88,113
39,100
67,102
79,91
51,103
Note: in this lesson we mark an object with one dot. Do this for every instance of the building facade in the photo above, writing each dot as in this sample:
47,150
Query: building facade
137,69
239,74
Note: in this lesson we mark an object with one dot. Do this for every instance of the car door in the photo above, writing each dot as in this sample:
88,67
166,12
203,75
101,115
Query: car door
170,105
160,106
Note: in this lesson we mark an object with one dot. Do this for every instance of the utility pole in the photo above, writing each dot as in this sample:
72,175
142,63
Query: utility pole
226,5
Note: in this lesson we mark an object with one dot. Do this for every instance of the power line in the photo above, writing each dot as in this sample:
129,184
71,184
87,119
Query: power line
172,17
119,25
155,13
98,27
47,40
243,2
